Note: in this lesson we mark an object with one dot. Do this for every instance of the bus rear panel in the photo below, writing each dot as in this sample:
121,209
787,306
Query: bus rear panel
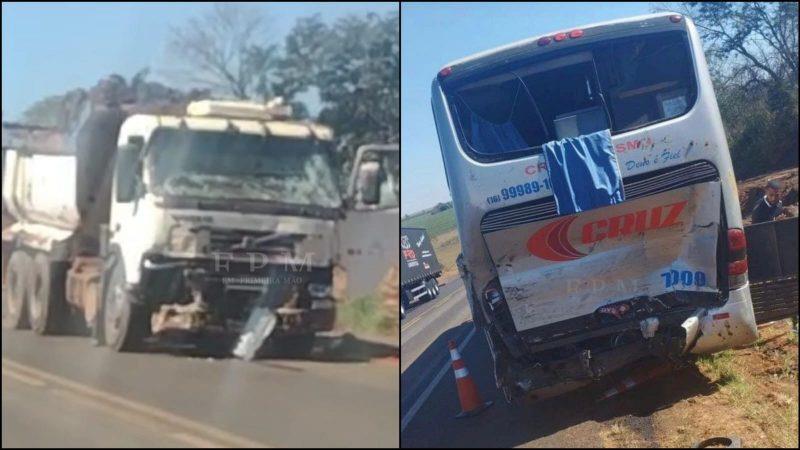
565,299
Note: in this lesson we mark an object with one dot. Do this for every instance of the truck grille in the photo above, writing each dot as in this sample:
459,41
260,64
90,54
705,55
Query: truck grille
239,241
635,186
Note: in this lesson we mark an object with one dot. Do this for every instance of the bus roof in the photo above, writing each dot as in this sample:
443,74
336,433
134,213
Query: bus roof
525,42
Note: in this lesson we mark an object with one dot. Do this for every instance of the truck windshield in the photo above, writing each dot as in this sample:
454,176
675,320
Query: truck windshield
620,84
215,165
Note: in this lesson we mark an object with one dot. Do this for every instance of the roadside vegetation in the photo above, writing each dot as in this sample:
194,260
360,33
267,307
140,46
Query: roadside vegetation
366,315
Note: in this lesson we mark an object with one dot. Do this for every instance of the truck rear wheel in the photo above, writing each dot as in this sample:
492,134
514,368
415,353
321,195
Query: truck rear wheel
46,304
16,290
431,289
125,323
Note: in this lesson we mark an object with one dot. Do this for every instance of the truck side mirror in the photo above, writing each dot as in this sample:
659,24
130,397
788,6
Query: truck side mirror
127,172
369,186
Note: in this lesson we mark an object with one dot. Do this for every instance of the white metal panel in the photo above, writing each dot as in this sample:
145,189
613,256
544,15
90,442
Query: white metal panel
41,188
569,266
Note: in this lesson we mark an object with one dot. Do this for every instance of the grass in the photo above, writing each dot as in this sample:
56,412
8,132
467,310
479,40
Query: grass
367,315
447,247
763,405
437,223
721,367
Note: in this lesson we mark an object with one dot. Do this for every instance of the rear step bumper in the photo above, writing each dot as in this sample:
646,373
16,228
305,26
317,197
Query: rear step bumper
701,331
731,325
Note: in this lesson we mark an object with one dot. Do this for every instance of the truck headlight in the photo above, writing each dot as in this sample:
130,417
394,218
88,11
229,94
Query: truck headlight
186,241
319,290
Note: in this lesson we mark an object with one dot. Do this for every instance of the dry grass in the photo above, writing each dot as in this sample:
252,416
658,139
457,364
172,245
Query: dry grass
447,247
620,435
755,398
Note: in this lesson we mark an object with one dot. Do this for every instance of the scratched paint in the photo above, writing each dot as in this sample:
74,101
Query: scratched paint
571,265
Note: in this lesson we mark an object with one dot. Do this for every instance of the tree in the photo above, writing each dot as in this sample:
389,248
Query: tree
226,50
354,66
751,48
63,111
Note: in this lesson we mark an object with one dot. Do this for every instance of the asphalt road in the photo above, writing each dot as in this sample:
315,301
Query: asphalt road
61,391
429,400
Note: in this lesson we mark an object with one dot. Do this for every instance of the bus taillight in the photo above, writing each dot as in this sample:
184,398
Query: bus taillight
737,258
575,34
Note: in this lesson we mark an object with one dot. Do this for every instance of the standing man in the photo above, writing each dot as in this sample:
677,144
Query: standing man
770,206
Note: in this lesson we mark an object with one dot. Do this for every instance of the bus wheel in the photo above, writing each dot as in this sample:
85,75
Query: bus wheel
125,323
16,290
46,304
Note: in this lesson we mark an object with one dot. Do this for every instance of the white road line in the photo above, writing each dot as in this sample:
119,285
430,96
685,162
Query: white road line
438,305
194,441
428,390
30,381
151,412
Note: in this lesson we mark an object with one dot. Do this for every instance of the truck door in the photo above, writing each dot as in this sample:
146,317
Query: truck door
368,235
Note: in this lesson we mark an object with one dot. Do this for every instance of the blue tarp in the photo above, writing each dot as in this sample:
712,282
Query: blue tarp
584,173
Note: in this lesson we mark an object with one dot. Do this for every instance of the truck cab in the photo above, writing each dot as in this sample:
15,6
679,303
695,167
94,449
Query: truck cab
151,223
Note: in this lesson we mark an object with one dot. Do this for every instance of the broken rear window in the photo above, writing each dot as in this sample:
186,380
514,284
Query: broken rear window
620,84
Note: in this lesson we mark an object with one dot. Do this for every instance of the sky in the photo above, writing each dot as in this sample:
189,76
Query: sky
51,48
433,35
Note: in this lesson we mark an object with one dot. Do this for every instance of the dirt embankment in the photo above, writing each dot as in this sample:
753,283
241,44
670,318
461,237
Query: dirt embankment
750,393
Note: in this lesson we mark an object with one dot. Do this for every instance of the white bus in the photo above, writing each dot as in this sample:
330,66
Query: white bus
565,299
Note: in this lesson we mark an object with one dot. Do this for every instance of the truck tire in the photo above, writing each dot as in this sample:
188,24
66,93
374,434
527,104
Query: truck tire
16,290
125,323
405,301
46,302
436,287
429,286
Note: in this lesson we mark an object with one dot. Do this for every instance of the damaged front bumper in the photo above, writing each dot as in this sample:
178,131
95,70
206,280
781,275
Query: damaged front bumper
195,295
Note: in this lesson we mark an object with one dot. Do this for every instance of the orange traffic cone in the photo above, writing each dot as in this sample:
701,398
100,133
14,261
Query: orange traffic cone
471,403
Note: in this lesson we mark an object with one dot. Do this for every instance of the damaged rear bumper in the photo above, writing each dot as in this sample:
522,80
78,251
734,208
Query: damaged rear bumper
570,359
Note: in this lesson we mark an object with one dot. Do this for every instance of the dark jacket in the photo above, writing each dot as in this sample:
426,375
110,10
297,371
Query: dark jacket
764,212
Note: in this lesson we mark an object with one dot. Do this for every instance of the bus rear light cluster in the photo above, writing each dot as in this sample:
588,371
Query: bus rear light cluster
737,258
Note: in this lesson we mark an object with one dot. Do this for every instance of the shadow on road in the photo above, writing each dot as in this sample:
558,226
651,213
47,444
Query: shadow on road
346,348
505,425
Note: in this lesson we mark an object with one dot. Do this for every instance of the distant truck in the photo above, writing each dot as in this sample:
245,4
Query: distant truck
208,220
419,268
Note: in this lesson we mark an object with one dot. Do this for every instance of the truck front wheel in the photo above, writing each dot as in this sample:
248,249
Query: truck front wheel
46,303
125,323
16,290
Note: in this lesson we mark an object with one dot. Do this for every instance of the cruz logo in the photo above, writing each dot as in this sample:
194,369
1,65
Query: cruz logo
551,241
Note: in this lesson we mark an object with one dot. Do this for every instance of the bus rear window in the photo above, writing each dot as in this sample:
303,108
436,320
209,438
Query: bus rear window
619,85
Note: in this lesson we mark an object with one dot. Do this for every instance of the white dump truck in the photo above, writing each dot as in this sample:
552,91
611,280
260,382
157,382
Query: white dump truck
139,224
